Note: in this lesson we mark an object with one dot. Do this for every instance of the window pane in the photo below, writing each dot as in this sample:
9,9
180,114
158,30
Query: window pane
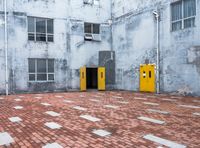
176,11
96,2
177,26
31,77
31,37
41,77
189,8
31,66
50,26
41,65
189,23
40,25
31,26
50,38
51,77
96,28
51,66
88,28
40,37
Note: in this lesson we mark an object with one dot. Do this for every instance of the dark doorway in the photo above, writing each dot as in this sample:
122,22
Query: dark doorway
91,78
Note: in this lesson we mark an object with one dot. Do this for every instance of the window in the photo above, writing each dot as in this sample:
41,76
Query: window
91,2
92,32
41,70
91,28
183,14
40,29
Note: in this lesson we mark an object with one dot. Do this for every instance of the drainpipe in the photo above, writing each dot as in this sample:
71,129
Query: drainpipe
6,45
157,16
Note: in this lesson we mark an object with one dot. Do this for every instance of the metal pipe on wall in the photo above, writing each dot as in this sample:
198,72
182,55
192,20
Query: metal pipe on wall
157,16
6,45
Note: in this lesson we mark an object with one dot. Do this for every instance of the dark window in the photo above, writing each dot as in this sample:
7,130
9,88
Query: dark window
96,28
50,26
41,69
41,66
31,66
183,14
40,29
90,28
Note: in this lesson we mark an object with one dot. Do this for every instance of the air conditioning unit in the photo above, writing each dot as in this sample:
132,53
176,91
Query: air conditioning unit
96,37
88,37
88,2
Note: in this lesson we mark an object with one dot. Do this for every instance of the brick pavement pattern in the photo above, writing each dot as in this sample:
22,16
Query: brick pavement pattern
182,123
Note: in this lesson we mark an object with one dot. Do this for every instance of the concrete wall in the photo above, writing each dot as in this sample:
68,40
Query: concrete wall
69,49
134,40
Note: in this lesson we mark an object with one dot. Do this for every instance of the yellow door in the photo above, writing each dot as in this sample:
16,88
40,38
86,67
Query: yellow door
101,78
83,79
151,78
143,78
147,78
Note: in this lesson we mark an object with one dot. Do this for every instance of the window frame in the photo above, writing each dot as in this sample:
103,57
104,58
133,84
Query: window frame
182,20
35,31
36,71
92,28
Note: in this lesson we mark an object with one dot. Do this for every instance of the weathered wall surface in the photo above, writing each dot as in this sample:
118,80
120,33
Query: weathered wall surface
134,40
69,49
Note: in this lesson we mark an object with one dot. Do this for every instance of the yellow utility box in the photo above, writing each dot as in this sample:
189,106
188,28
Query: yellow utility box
83,78
101,78
147,78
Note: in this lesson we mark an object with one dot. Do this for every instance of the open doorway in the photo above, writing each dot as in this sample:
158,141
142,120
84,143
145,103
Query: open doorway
92,78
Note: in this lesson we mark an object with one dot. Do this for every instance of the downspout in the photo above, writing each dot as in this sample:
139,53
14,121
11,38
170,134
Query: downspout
111,25
157,16
6,45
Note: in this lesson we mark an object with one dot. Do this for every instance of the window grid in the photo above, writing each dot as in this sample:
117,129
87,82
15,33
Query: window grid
183,19
35,33
36,73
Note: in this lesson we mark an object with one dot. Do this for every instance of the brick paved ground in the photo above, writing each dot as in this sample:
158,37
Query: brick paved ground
181,125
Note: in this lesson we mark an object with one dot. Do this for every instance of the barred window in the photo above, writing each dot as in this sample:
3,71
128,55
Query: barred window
40,29
183,14
41,70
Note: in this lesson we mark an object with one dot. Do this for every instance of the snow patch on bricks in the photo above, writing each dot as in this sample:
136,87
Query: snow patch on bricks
123,102
151,120
158,111
111,106
52,145
18,107
15,119
190,106
196,114
101,133
67,101
52,113
164,142
140,98
150,103
52,125
79,108
46,104
5,139
90,118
